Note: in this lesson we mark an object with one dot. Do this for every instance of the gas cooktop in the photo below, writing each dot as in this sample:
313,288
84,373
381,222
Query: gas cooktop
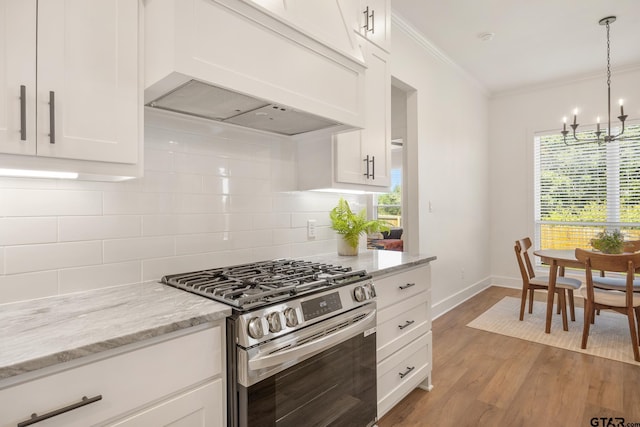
253,285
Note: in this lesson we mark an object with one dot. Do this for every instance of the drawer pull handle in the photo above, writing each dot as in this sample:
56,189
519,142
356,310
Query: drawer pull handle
35,418
407,323
408,285
407,372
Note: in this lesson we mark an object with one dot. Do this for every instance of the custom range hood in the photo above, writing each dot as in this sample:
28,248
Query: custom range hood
211,102
236,62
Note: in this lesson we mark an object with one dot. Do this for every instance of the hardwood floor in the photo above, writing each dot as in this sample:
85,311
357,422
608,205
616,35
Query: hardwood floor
485,379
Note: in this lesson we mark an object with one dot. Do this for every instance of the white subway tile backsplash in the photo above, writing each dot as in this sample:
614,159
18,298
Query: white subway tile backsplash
170,182
20,287
116,203
154,269
256,203
22,259
158,160
99,227
30,202
138,248
201,243
24,231
200,164
99,276
212,195
199,203
271,220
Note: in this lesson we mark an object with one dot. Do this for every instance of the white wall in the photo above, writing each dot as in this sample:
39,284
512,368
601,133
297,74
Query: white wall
211,195
453,176
514,118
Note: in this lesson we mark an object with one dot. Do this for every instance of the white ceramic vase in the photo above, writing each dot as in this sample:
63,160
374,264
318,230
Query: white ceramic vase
345,249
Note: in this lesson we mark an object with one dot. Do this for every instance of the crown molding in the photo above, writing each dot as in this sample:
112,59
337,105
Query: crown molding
398,22
552,84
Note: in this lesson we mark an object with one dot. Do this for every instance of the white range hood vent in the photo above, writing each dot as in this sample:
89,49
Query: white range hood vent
204,100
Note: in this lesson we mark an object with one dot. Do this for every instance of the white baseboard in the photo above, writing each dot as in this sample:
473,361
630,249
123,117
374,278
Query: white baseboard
448,304
451,302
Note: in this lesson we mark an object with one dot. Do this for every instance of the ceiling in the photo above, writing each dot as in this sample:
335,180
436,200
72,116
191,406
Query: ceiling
535,41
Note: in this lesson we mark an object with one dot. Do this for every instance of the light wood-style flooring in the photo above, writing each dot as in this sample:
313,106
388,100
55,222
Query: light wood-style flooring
485,379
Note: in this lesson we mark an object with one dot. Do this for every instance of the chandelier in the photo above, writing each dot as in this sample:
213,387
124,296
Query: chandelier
600,135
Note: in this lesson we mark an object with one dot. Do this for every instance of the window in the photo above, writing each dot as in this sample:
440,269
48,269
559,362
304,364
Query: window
581,190
388,206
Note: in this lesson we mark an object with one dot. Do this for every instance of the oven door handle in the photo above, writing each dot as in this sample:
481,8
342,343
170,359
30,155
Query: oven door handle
310,348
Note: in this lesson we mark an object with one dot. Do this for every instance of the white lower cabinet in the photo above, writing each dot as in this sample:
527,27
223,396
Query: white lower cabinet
177,381
200,407
404,344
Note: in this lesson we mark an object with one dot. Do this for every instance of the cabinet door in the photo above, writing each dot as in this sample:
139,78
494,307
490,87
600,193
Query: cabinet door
17,69
349,163
88,62
364,156
201,407
375,22
376,140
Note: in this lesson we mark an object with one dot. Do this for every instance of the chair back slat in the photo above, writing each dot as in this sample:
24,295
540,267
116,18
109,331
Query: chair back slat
522,247
618,263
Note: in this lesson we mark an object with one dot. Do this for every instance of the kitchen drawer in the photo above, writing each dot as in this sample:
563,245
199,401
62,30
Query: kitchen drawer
126,381
400,325
200,407
391,386
396,287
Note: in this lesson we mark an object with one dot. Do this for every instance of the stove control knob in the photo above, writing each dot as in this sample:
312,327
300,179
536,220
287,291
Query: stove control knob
292,317
359,294
255,328
275,324
372,290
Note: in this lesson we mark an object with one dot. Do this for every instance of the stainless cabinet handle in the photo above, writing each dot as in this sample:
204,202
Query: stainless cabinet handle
23,112
35,418
373,167
407,323
366,162
407,372
373,22
52,117
408,285
366,19
368,16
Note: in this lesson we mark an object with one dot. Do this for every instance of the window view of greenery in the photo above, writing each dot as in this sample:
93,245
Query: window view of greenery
584,189
388,206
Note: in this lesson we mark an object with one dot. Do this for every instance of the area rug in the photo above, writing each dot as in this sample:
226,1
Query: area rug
609,337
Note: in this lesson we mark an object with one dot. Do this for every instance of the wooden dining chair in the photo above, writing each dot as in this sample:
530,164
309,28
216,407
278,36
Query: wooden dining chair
623,300
531,283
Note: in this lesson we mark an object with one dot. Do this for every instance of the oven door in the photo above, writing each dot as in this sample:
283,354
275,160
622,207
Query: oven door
323,375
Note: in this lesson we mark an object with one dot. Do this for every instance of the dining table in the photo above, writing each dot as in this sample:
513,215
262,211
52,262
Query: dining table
557,259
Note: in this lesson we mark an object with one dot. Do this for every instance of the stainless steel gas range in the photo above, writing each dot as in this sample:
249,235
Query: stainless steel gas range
301,342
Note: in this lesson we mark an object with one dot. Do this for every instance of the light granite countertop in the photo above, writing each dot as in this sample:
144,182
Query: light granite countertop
45,332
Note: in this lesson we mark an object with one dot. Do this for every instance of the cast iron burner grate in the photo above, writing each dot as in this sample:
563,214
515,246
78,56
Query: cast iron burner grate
247,286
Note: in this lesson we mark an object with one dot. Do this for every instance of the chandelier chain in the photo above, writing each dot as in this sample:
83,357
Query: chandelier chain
608,58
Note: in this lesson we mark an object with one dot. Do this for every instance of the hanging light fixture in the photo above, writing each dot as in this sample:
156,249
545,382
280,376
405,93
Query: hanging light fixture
608,136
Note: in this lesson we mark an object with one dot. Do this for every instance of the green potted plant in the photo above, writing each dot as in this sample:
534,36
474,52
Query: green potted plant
351,225
609,242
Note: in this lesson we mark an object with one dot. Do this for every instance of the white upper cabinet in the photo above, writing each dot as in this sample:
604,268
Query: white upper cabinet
364,156
77,63
17,76
375,22
359,159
